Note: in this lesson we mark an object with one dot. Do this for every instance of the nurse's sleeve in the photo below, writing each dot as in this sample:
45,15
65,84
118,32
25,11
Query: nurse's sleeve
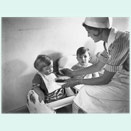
118,54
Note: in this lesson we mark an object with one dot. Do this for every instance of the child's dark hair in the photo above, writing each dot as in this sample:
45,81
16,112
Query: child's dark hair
81,51
42,61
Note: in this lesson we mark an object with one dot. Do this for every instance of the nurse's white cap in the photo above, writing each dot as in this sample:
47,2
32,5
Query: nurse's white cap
98,22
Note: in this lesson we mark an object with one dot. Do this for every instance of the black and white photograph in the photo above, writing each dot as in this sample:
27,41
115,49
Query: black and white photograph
65,65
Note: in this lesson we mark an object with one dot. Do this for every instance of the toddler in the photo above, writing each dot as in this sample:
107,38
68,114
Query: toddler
83,58
44,82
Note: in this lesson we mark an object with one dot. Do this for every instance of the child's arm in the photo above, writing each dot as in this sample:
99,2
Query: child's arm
36,83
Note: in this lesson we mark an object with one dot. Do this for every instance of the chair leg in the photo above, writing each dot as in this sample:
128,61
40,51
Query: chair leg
75,108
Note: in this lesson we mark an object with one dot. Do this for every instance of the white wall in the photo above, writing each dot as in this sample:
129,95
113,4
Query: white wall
24,38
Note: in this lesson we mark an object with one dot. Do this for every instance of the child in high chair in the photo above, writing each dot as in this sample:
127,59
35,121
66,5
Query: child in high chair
83,58
44,82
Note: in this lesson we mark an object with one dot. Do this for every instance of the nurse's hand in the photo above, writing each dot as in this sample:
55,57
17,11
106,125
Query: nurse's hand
67,72
71,83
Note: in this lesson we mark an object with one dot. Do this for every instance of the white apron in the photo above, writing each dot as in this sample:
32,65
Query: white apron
110,98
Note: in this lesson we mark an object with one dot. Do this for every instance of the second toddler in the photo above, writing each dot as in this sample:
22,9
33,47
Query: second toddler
83,58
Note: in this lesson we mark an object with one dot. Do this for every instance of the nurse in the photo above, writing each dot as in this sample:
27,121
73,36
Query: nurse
108,93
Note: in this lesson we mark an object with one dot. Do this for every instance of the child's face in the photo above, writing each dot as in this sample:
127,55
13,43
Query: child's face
84,58
47,69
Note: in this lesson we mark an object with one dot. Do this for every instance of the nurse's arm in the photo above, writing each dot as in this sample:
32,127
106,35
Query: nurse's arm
89,70
102,80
